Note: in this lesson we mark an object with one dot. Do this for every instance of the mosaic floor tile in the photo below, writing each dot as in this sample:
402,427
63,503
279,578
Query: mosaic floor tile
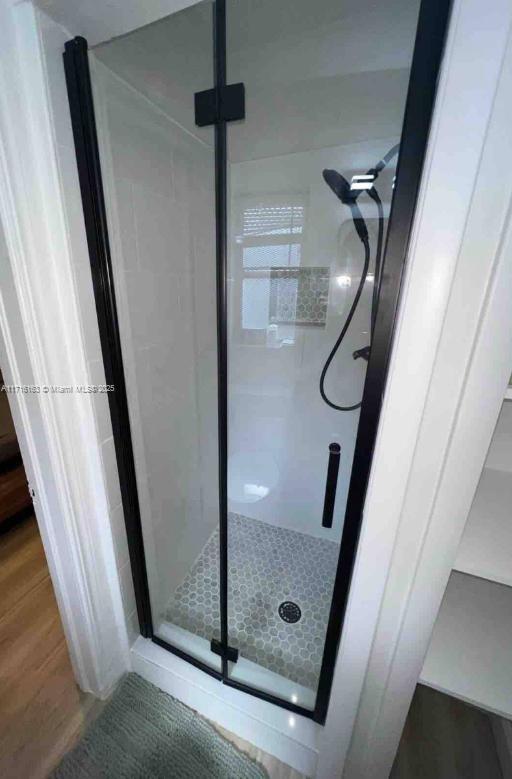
267,565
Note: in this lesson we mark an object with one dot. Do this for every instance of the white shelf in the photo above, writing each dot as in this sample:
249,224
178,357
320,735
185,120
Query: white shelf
486,546
469,655
508,393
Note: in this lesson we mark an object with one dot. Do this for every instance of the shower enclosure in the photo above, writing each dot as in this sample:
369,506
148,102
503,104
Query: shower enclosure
237,213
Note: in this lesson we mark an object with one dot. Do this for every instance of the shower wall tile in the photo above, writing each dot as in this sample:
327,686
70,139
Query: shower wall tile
135,127
108,455
154,307
84,287
119,534
127,591
73,202
124,199
162,232
100,400
165,286
195,292
181,174
132,625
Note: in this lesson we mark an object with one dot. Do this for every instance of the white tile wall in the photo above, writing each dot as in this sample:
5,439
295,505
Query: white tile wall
159,183
161,189
275,409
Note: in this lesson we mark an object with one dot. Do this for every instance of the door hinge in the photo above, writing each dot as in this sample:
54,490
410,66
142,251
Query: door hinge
230,652
220,104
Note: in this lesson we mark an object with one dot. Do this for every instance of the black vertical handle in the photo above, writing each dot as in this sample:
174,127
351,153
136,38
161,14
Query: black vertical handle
331,484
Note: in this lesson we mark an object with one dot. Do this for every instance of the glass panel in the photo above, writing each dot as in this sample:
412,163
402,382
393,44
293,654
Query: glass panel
325,87
158,172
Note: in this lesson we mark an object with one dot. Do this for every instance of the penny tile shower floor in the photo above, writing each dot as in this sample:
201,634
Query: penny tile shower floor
267,565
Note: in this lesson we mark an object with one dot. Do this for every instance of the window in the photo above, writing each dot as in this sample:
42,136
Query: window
270,237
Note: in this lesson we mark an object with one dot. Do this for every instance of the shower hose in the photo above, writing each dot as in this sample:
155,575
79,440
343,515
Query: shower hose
362,232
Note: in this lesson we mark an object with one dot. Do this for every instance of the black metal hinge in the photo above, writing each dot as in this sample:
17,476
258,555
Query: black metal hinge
224,104
230,653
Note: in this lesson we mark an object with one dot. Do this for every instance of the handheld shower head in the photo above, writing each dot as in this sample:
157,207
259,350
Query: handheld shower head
348,194
342,189
340,186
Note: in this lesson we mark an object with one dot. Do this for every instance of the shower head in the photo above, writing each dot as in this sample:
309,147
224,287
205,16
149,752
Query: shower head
340,186
348,196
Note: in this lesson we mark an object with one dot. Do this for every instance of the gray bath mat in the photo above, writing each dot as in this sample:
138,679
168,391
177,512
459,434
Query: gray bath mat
143,732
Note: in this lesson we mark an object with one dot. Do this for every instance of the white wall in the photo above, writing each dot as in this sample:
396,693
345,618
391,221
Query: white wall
159,182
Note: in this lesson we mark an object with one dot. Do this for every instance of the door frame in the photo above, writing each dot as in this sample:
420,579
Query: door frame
427,56
42,344
467,387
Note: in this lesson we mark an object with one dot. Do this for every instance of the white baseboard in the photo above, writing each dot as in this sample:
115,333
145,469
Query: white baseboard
289,737
502,731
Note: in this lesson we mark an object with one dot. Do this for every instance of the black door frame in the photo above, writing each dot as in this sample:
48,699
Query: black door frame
428,50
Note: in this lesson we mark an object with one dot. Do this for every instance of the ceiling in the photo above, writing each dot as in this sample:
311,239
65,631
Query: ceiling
317,74
101,20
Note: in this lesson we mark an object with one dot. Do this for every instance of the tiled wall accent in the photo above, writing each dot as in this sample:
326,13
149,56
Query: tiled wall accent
299,295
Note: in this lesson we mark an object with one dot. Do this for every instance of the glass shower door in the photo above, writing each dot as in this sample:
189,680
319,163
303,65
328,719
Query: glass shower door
237,270
325,98
161,211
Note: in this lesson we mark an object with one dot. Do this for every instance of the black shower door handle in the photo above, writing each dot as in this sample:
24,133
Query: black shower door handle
331,484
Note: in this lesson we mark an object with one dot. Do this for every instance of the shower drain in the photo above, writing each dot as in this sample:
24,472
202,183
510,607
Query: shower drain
289,611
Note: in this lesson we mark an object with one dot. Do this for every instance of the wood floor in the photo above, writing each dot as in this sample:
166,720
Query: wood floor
42,712
444,738
275,768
